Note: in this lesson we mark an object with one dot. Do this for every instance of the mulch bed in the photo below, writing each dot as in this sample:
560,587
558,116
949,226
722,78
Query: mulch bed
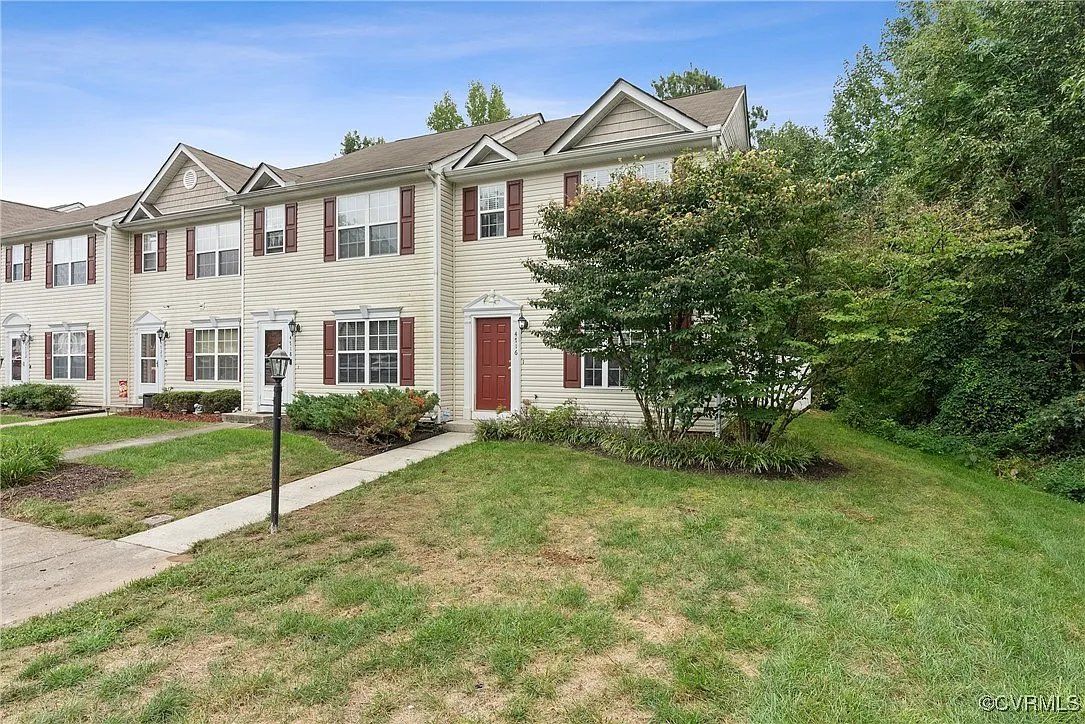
51,414
351,445
67,482
181,416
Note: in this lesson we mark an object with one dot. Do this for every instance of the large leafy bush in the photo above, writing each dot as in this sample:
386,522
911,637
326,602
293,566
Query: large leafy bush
220,401
35,396
22,458
369,415
177,401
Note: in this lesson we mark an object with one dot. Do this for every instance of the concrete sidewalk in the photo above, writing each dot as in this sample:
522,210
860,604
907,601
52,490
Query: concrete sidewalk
82,452
47,420
181,535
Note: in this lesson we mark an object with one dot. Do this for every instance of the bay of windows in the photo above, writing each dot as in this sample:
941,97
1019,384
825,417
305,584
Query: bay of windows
367,352
274,229
491,211
368,224
69,355
217,354
17,262
70,261
150,251
218,250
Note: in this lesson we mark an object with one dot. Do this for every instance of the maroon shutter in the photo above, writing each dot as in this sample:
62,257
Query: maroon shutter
190,354
571,372
49,268
329,231
90,354
406,220
137,253
190,253
406,351
470,213
28,256
572,186
291,231
7,264
48,355
92,258
257,232
514,198
161,250
329,352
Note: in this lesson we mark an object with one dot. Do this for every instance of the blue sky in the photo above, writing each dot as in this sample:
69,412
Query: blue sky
95,96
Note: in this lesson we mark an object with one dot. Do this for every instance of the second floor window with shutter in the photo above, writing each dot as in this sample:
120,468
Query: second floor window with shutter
70,261
150,251
218,250
368,224
274,229
491,211
17,262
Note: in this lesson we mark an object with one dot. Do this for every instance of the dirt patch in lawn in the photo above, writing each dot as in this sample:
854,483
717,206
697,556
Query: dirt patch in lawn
52,414
179,416
351,445
67,482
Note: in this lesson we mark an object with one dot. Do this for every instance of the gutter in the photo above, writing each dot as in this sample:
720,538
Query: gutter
304,186
436,177
179,217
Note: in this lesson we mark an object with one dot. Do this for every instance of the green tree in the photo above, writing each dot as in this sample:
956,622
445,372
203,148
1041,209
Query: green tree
445,115
499,110
688,82
352,142
477,104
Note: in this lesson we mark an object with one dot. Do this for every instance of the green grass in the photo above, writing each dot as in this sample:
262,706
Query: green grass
179,477
522,582
78,432
8,418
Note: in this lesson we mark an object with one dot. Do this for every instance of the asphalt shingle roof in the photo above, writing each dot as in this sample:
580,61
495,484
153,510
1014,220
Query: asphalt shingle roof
15,216
60,219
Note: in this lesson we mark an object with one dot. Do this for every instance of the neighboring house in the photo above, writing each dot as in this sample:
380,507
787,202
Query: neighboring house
398,264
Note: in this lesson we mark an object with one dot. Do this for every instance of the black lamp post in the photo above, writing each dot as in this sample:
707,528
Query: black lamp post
277,362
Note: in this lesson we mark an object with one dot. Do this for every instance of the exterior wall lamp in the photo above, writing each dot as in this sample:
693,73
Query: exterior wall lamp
293,326
24,338
522,321
162,334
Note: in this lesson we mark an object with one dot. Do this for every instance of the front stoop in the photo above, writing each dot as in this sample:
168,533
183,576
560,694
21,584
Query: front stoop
249,418
460,426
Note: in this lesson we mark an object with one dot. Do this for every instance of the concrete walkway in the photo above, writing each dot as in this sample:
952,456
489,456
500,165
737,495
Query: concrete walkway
181,535
83,452
47,420
44,570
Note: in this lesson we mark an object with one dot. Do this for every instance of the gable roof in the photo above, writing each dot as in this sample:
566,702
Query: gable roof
84,216
15,216
228,174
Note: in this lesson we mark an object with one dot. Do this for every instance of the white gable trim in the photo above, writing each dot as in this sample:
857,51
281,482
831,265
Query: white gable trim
148,320
15,322
512,131
483,147
621,90
263,171
165,175
491,301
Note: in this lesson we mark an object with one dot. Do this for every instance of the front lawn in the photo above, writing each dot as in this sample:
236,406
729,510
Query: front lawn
522,582
8,418
81,432
178,477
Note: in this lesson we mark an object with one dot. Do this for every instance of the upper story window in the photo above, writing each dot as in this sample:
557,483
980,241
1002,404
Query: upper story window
599,372
69,355
70,261
274,229
18,264
368,224
367,352
217,354
218,250
648,170
150,251
491,211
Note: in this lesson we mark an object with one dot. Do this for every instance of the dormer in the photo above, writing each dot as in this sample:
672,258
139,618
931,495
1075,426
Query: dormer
191,179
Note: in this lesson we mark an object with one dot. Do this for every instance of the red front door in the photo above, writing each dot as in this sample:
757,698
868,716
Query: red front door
493,363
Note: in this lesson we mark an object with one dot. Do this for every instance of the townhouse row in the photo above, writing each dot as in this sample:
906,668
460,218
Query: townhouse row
400,264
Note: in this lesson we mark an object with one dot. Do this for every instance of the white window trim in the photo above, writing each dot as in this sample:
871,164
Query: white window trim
72,261
606,375
366,351
21,248
145,253
504,211
610,171
24,350
268,230
218,252
53,353
367,225
216,354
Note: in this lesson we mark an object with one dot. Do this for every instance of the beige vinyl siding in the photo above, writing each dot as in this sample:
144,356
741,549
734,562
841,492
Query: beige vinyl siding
177,301
304,283
43,307
120,297
627,120
735,131
450,325
175,197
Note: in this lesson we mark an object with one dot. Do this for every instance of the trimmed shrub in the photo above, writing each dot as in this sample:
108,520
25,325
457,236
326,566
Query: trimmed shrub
176,401
221,401
369,415
38,397
566,425
22,458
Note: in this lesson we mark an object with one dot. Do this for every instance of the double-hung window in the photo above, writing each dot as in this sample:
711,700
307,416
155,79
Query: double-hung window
367,352
491,211
368,224
599,372
17,262
218,250
150,251
217,354
648,171
70,261
69,355
274,229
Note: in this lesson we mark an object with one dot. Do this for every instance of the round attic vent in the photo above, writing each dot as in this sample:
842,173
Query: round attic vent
190,179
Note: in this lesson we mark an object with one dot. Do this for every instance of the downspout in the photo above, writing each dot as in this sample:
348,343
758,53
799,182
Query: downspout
436,177
106,284
241,329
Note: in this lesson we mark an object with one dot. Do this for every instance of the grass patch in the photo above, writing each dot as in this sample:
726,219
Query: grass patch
7,419
81,432
179,477
525,582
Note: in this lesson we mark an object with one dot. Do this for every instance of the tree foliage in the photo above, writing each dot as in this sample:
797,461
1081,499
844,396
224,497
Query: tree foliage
481,107
445,115
352,142
687,83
